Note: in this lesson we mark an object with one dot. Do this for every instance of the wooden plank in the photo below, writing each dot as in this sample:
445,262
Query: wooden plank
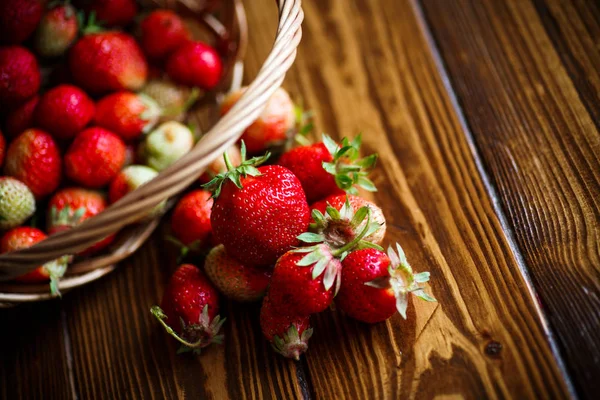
365,66
527,74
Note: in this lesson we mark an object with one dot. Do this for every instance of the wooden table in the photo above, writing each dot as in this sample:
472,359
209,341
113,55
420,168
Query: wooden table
486,116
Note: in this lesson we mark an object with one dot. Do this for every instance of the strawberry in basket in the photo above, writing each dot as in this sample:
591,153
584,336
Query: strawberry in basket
18,19
19,75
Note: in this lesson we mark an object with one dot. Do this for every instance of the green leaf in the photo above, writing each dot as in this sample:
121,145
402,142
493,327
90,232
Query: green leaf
424,296
319,268
330,144
359,216
309,259
309,237
329,167
422,277
366,184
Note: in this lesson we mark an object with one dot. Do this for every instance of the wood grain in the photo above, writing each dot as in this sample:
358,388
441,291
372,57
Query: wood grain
527,76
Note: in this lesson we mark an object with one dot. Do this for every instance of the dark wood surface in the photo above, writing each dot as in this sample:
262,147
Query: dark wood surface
485,115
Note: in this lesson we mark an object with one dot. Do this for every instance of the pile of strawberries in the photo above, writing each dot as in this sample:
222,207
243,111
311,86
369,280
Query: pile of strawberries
293,234
91,95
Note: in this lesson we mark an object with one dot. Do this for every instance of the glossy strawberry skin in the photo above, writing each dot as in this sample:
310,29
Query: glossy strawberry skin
162,32
195,64
20,238
18,19
108,61
19,75
121,113
34,159
64,111
95,157
260,222
111,12
273,324
293,291
188,291
362,302
21,118
191,218
306,163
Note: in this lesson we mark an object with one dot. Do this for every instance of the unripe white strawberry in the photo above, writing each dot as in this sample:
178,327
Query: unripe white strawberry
129,179
16,203
172,98
166,144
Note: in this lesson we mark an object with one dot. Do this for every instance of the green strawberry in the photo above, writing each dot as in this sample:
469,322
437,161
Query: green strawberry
166,144
16,203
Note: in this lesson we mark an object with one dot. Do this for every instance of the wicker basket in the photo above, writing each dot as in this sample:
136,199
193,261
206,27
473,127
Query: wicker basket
125,214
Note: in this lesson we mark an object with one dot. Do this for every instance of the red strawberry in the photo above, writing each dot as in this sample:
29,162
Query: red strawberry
218,166
23,237
18,19
2,148
235,280
190,222
127,114
34,159
64,111
108,61
342,227
375,286
195,64
257,213
95,157
273,124
288,335
111,12
327,168
57,31
70,207
21,118
19,75
189,309
162,31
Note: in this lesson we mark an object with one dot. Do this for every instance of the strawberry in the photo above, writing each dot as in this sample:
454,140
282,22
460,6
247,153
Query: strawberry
127,114
258,212
162,32
272,125
173,99
340,224
235,280
218,166
166,144
2,148
19,75
21,118
64,111
376,285
129,179
108,61
111,12
95,157
195,64
34,159
18,19
328,168
57,31
189,309
23,237
70,207
288,335
190,222
17,203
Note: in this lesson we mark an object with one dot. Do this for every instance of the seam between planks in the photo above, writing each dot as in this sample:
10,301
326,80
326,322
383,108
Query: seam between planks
68,353
491,190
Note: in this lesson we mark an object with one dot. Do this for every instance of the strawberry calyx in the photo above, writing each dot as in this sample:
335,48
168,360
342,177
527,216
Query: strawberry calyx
304,125
91,26
197,336
291,344
66,217
184,250
55,270
402,280
346,167
233,174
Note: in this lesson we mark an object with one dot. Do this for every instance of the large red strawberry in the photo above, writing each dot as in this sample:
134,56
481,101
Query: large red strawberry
162,32
218,166
189,309
108,61
23,237
272,126
95,157
64,111
111,12
375,286
70,207
18,19
288,335
34,159
190,222
21,118
127,114
235,280
57,31
327,168
258,212
195,64
19,75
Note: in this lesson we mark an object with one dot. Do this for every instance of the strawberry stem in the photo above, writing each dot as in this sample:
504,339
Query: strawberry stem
357,239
